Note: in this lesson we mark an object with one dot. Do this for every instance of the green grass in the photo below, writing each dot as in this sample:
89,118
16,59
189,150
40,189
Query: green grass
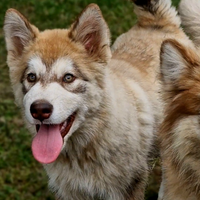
21,177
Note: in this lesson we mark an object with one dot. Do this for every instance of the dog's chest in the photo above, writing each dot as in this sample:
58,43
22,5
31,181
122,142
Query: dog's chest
85,181
75,182
103,170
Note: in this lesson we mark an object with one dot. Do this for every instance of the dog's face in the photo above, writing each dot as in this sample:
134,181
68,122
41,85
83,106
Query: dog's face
180,72
57,76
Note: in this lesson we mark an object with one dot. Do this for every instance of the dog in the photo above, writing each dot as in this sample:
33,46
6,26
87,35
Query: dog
179,135
189,13
93,112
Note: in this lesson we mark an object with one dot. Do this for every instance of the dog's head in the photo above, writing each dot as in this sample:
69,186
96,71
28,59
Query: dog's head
57,75
180,73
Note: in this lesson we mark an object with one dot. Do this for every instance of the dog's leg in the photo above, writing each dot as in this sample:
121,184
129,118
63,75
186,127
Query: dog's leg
136,190
161,191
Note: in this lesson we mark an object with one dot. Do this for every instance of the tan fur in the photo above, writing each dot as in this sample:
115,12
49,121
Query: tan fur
106,153
179,136
189,13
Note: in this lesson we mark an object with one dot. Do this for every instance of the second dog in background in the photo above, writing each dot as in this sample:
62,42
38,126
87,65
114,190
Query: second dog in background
180,131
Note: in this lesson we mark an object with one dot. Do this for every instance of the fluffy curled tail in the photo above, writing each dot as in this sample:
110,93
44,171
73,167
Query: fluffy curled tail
156,13
190,17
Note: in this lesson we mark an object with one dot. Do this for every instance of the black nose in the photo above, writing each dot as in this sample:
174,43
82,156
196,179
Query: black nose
41,110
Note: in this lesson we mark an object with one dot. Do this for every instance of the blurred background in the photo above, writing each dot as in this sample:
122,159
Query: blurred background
21,177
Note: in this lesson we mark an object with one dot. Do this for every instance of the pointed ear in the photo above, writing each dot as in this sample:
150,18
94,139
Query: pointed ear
91,31
174,61
18,32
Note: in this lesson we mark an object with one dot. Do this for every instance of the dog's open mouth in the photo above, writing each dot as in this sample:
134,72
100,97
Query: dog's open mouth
65,126
48,142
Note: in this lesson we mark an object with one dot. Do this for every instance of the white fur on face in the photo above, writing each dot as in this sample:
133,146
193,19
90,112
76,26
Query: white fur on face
36,66
64,101
62,66
64,104
59,68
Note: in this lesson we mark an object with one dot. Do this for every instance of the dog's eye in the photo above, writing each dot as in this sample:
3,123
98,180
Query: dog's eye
31,77
68,78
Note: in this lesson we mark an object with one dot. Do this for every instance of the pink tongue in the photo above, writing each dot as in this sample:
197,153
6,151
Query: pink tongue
47,144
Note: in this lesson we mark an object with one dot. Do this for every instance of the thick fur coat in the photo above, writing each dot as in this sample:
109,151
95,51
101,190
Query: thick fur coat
96,111
180,135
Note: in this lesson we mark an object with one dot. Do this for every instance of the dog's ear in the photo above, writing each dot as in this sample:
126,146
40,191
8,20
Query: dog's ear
179,67
91,31
175,61
18,32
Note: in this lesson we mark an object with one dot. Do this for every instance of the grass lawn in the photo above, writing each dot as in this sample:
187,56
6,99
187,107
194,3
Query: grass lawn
21,177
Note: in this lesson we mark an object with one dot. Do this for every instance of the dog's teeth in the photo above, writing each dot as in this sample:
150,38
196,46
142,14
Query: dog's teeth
64,126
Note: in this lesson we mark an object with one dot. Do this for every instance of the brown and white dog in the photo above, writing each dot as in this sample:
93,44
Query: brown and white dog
96,112
180,130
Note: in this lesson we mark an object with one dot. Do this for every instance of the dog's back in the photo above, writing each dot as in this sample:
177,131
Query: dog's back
140,46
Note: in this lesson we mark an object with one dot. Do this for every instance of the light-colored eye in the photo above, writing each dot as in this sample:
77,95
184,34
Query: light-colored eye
31,77
69,78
